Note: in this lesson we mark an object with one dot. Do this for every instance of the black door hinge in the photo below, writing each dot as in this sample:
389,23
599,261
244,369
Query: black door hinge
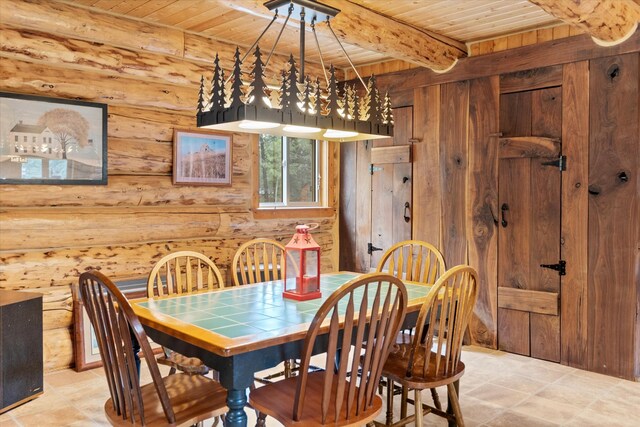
373,169
560,267
560,162
371,248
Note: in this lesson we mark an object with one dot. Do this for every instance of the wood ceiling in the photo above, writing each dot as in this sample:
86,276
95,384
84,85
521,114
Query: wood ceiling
240,22
427,33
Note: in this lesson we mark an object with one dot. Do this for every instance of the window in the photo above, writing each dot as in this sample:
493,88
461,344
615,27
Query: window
290,172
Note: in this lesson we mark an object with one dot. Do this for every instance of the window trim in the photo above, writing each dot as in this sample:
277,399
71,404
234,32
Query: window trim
327,203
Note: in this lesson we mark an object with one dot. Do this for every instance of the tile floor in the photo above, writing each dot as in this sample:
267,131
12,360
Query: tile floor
498,389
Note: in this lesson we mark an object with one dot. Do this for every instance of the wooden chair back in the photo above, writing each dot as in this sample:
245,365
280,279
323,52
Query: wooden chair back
413,260
258,260
183,272
446,314
116,325
383,300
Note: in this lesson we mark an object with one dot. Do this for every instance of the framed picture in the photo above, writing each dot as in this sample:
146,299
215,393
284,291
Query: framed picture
201,158
85,343
52,141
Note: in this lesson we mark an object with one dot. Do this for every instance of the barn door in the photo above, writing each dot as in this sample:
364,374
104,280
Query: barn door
391,184
529,265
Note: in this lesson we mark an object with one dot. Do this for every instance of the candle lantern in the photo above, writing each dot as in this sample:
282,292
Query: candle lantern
302,266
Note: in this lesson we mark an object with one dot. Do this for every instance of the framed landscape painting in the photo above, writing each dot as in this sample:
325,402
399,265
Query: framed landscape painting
52,141
201,158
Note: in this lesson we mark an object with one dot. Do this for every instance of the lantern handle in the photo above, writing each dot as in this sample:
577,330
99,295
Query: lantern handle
313,225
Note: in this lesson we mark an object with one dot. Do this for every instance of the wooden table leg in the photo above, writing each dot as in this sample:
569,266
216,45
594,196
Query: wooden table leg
236,401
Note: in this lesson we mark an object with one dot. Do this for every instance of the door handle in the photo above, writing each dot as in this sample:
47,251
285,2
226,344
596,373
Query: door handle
503,209
407,212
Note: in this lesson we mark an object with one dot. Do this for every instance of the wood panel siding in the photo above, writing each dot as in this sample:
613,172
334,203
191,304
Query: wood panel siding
454,108
483,204
575,139
614,209
599,191
427,206
148,75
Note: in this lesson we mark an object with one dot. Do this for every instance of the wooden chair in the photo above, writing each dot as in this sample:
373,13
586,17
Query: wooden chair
179,399
258,260
413,260
261,260
435,360
417,261
183,272
328,397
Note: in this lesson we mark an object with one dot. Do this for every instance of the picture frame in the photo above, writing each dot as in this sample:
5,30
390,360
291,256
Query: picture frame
201,158
52,141
85,344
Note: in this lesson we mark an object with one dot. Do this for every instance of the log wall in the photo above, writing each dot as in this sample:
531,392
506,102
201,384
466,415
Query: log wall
149,76
456,184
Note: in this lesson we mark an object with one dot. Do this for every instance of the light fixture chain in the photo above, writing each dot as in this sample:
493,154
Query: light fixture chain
347,55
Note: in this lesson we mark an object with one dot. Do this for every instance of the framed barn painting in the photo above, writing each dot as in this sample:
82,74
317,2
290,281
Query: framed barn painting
52,141
201,158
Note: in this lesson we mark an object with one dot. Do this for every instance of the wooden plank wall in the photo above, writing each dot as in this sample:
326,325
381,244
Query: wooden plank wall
50,234
614,212
600,232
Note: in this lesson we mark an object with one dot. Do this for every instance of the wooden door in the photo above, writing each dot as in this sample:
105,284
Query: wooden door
391,184
529,223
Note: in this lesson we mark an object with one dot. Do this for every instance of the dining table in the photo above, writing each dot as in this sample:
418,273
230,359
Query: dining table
241,330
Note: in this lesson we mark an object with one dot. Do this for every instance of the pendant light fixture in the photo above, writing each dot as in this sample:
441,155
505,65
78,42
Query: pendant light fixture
300,107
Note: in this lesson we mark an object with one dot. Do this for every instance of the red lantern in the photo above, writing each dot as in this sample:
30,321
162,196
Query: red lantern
302,266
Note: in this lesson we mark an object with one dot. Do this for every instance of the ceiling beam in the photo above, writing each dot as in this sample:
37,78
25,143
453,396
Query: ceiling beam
608,22
362,27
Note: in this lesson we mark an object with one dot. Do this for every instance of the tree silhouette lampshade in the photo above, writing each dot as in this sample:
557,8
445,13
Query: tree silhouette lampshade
302,266
299,107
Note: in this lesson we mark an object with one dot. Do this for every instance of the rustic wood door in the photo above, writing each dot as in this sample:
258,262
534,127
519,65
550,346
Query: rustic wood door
391,185
529,223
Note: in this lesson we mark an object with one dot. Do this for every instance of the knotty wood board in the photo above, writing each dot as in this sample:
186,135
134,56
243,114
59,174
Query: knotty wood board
363,205
575,140
531,79
545,249
613,281
454,110
130,190
483,205
514,250
62,266
383,211
527,300
515,114
395,154
545,337
402,189
546,112
513,331
347,218
529,146
427,190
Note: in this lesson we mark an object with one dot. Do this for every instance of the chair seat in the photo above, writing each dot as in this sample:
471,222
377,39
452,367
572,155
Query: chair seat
188,365
191,396
395,369
276,400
